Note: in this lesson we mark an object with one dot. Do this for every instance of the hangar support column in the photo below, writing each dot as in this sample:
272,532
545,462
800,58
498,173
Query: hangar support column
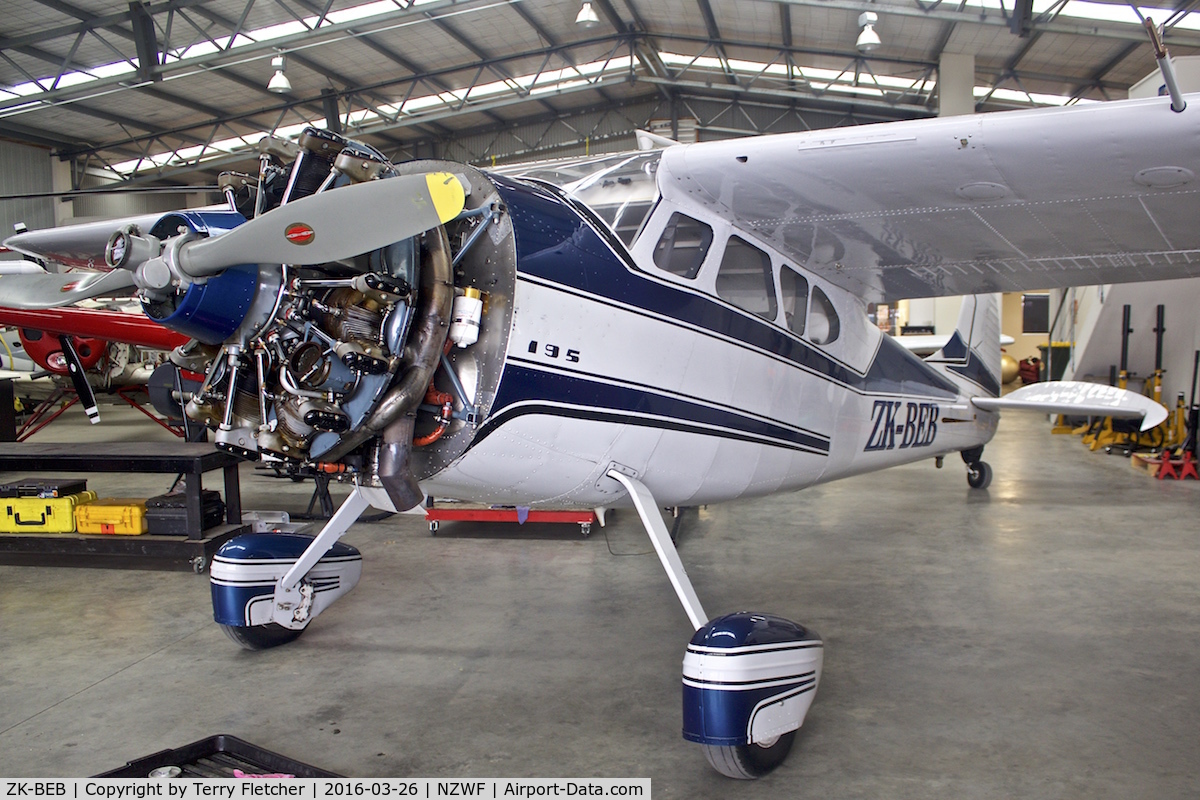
956,95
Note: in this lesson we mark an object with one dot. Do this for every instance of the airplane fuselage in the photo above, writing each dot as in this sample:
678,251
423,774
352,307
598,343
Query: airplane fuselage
612,364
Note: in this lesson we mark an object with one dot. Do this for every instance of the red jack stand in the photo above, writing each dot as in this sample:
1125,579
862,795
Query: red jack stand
1186,467
462,512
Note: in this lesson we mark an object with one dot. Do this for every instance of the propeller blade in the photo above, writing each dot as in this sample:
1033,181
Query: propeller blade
83,389
52,289
335,224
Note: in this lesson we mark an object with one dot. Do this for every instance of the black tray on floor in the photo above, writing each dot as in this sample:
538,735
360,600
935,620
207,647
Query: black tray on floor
217,757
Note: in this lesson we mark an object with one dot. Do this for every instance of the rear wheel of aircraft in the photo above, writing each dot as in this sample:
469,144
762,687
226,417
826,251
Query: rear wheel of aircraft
979,475
749,761
261,637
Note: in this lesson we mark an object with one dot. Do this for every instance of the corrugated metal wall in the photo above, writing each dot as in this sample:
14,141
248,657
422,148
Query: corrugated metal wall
110,206
24,169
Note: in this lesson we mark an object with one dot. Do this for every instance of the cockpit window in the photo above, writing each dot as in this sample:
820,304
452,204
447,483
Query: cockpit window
620,189
683,245
823,324
745,279
794,290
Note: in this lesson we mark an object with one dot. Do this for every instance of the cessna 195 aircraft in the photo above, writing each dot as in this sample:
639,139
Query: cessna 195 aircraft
661,328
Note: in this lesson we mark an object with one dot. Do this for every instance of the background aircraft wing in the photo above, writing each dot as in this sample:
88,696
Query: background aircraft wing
1088,194
82,245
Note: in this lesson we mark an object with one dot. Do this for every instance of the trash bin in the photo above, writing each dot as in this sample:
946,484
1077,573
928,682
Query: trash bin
1054,362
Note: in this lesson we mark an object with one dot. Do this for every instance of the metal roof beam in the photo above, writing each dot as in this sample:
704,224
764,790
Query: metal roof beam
146,41
638,20
1096,80
91,23
378,47
664,84
20,133
714,39
348,85
211,61
383,127
1030,41
484,56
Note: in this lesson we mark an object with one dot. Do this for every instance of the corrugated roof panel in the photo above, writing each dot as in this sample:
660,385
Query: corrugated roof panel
1073,56
986,42
496,31
672,16
823,28
26,16
750,22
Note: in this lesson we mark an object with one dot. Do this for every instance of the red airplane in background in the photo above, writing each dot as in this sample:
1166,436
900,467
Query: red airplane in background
86,346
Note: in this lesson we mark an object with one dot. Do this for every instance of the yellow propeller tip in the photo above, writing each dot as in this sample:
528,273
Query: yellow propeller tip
446,192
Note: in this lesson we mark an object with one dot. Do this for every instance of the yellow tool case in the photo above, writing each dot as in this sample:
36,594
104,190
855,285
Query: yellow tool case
41,514
125,516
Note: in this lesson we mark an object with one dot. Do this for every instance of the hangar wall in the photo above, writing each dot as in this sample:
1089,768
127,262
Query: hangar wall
24,169
1102,346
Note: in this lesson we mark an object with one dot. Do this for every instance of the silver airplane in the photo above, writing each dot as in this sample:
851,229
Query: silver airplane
663,328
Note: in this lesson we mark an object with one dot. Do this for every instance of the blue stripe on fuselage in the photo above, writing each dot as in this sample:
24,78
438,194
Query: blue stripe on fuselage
961,359
531,390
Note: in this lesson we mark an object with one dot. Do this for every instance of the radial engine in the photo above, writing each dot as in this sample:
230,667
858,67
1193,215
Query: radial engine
377,367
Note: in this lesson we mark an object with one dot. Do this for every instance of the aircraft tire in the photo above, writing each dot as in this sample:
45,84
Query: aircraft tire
979,475
261,637
749,761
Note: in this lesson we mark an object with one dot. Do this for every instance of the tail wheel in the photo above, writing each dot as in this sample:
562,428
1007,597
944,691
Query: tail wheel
979,475
749,761
261,637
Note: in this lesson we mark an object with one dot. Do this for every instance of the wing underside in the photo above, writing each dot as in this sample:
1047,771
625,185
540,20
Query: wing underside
1101,193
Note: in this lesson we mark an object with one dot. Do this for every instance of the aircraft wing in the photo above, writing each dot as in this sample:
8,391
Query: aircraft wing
82,244
97,323
1075,398
1088,194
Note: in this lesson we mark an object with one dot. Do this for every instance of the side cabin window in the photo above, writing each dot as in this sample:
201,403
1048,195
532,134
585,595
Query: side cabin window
793,290
683,245
823,324
746,280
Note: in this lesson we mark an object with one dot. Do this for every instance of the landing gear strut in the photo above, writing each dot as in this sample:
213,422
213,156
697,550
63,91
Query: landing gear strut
979,472
748,678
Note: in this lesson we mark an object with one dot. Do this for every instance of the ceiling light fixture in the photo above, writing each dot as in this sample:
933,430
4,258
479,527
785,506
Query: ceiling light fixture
587,15
279,83
868,39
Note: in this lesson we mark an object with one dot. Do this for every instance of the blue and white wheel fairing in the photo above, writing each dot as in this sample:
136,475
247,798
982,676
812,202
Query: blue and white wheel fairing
748,682
245,571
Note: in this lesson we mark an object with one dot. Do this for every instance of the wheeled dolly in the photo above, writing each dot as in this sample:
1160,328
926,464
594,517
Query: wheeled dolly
459,512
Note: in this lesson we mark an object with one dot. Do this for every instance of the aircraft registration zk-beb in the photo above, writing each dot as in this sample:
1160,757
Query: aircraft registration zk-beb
661,328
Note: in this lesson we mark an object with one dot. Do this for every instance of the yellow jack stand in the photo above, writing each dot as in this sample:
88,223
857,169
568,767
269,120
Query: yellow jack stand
1176,426
1106,436
1061,426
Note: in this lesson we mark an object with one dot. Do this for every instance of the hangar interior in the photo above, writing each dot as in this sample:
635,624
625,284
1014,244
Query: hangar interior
1032,639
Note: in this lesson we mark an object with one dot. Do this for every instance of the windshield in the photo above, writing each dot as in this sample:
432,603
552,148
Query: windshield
620,188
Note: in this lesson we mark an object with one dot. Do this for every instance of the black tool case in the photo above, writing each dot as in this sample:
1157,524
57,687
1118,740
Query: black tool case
217,757
43,487
166,514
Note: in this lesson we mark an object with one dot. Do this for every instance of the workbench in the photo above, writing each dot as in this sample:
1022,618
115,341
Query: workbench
191,460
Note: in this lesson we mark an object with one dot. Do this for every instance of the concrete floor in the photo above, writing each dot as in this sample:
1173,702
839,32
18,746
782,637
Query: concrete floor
1037,640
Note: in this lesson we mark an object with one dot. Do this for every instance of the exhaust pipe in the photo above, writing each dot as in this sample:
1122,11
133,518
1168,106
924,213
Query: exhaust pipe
395,417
